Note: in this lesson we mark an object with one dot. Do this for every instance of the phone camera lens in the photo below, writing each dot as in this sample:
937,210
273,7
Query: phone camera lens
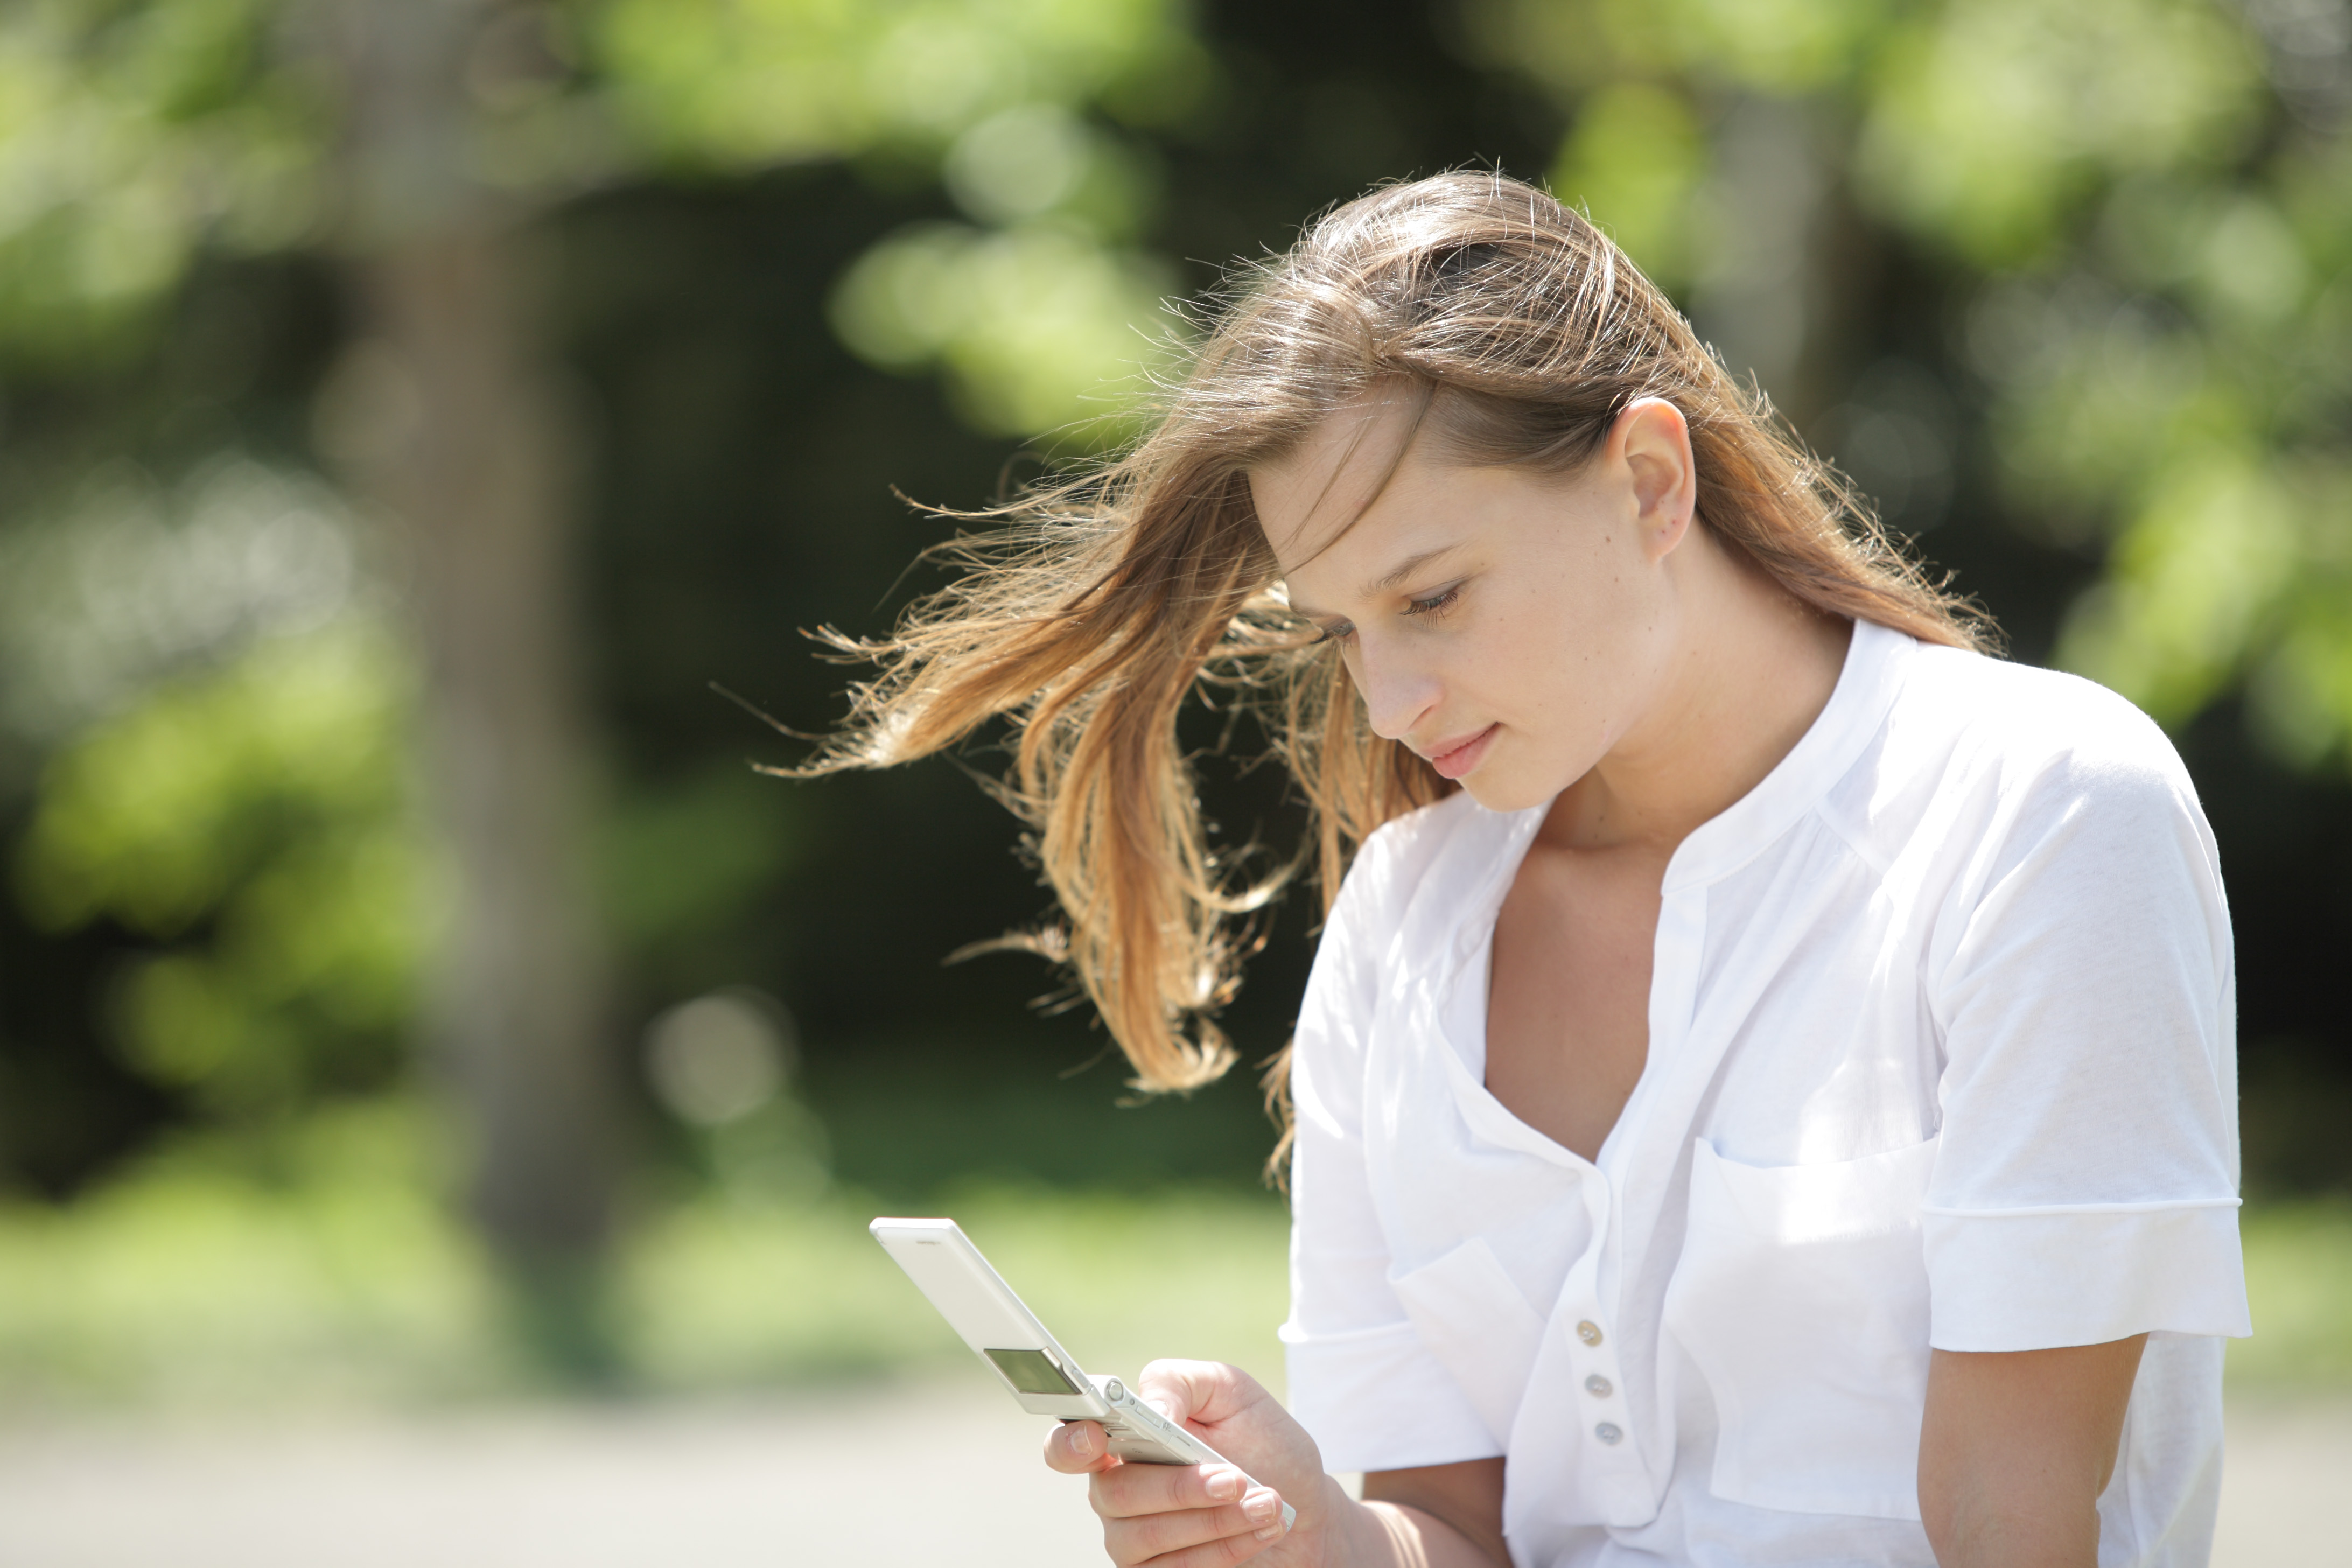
1115,1391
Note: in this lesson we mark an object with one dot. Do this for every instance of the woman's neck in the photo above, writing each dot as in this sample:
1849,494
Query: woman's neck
1751,670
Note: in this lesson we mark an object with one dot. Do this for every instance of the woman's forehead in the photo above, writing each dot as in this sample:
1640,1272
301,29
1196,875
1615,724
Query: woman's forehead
1311,495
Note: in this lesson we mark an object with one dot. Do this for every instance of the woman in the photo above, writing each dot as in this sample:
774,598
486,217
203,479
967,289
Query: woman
1764,1093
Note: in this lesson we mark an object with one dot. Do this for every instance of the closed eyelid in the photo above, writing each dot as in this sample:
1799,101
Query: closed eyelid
1410,564
1436,601
1427,601
1430,601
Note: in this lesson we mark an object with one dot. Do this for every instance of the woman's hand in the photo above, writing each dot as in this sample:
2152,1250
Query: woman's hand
1206,1516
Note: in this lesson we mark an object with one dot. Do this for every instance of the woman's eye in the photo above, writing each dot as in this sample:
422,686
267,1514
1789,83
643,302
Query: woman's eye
1436,603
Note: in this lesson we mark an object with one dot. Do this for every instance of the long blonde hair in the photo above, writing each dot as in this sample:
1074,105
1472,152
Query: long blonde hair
1104,599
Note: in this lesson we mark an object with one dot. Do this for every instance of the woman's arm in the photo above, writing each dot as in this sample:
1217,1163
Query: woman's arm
1438,1516
2015,1449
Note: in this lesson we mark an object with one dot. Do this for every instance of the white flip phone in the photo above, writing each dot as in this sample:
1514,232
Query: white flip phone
981,1308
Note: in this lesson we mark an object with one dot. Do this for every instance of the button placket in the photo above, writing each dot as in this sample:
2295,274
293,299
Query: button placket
1599,1387
1595,1358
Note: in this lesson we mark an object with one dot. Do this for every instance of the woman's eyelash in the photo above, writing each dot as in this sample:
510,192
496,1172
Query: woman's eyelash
1436,603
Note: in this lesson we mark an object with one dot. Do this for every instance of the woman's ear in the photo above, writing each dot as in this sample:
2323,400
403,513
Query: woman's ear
1652,440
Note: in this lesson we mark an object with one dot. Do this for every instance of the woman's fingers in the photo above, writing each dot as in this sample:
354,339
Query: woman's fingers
1229,1532
1132,1489
1203,1391
1077,1446
1150,1511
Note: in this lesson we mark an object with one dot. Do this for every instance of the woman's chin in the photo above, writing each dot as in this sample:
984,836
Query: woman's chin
1497,790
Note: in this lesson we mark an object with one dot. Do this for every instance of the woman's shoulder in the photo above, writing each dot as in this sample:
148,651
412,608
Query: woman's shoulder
2014,726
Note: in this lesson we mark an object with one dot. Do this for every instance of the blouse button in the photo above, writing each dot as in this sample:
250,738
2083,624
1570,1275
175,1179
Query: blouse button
1607,1432
1589,1332
1599,1387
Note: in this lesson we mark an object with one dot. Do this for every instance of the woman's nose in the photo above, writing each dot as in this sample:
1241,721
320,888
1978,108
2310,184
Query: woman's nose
1397,692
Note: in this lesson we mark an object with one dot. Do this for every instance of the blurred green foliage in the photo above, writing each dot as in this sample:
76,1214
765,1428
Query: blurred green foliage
1633,159
726,83
2298,1277
130,136
135,133
1028,323
258,823
324,1270
681,864
724,1297
1027,309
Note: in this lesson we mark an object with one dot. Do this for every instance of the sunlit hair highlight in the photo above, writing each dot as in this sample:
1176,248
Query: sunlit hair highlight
1100,602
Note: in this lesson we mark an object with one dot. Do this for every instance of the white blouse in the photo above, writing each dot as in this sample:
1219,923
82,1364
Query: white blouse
1941,1053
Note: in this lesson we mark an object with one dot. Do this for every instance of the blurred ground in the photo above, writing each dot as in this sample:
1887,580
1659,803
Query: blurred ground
878,1479
873,1478
2282,1486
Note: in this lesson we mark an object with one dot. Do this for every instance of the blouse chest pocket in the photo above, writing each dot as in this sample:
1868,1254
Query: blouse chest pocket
1801,1296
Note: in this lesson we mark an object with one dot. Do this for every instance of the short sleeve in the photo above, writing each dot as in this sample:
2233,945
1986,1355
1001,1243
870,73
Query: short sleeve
2087,1174
1360,1380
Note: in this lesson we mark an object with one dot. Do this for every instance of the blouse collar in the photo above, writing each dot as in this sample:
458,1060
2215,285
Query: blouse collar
1866,684
1874,658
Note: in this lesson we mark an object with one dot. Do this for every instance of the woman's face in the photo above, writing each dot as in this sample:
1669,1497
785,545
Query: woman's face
1512,628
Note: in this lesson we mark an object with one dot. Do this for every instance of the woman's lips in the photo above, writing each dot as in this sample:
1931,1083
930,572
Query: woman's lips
1461,758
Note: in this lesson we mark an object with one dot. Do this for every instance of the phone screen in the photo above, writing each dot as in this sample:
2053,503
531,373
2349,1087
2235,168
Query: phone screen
1032,1372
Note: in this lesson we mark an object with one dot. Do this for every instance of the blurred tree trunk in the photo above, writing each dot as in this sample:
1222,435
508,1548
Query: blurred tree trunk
451,422
1762,296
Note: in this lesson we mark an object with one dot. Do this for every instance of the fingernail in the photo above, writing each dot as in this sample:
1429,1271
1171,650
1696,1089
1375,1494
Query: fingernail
1259,1507
1269,1532
1225,1486
1082,1442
